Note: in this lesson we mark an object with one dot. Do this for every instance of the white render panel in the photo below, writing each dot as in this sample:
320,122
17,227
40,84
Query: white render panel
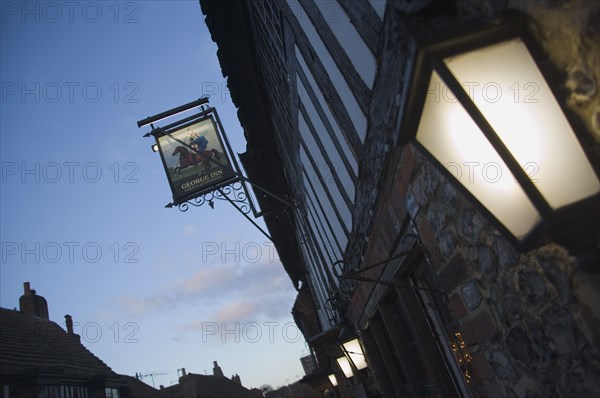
331,186
328,252
328,240
356,116
379,7
314,210
312,262
334,156
362,58
336,128
327,206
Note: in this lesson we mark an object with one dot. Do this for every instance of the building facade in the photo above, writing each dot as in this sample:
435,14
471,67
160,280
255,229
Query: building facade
206,386
381,238
39,359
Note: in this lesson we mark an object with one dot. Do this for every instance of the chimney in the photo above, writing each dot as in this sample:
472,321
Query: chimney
217,369
236,379
183,374
69,323
30,303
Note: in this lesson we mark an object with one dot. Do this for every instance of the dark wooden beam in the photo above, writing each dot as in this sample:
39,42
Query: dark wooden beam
323,150
327,87
366,21
336,143
359,89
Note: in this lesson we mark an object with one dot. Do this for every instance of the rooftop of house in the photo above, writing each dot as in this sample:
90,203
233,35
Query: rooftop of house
34,344
35,350
205,386
138,388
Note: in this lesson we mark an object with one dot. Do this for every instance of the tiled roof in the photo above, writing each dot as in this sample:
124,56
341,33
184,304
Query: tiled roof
206,386
29,343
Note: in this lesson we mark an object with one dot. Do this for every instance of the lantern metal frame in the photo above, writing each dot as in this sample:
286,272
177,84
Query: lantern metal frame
572,225
348,335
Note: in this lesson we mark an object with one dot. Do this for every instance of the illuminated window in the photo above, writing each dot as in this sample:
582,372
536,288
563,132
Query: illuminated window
112,392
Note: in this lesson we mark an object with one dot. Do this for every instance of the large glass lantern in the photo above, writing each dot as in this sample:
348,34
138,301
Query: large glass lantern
484,111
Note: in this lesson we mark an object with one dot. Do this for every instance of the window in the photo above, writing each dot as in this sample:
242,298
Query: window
112,392
62,392
409,341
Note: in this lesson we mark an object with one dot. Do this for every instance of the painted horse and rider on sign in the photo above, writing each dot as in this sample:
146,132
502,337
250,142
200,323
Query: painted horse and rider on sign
194,158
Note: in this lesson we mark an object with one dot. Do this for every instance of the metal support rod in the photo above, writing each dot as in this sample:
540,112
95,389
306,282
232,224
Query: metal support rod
355,274
351,274
245,215
182,121
392,284
171,112
233,159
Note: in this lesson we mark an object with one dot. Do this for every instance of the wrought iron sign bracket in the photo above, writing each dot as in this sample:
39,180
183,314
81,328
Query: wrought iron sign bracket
229,182
232,193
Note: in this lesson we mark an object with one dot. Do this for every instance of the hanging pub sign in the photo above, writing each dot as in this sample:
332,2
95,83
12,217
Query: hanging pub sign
195,159
195,152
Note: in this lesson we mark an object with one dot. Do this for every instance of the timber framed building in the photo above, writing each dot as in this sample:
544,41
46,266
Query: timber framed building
447,306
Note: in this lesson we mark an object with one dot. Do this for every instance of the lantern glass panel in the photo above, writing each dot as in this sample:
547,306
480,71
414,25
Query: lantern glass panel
449,134
345,366
333,380
355,353
507,87
510,91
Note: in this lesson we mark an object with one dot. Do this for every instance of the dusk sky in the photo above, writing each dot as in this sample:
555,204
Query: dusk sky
150,289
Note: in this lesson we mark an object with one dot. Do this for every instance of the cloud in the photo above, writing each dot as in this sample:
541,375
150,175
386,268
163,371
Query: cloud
236,311
262,318
205,281
141,306
104,315
223,293
190,230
